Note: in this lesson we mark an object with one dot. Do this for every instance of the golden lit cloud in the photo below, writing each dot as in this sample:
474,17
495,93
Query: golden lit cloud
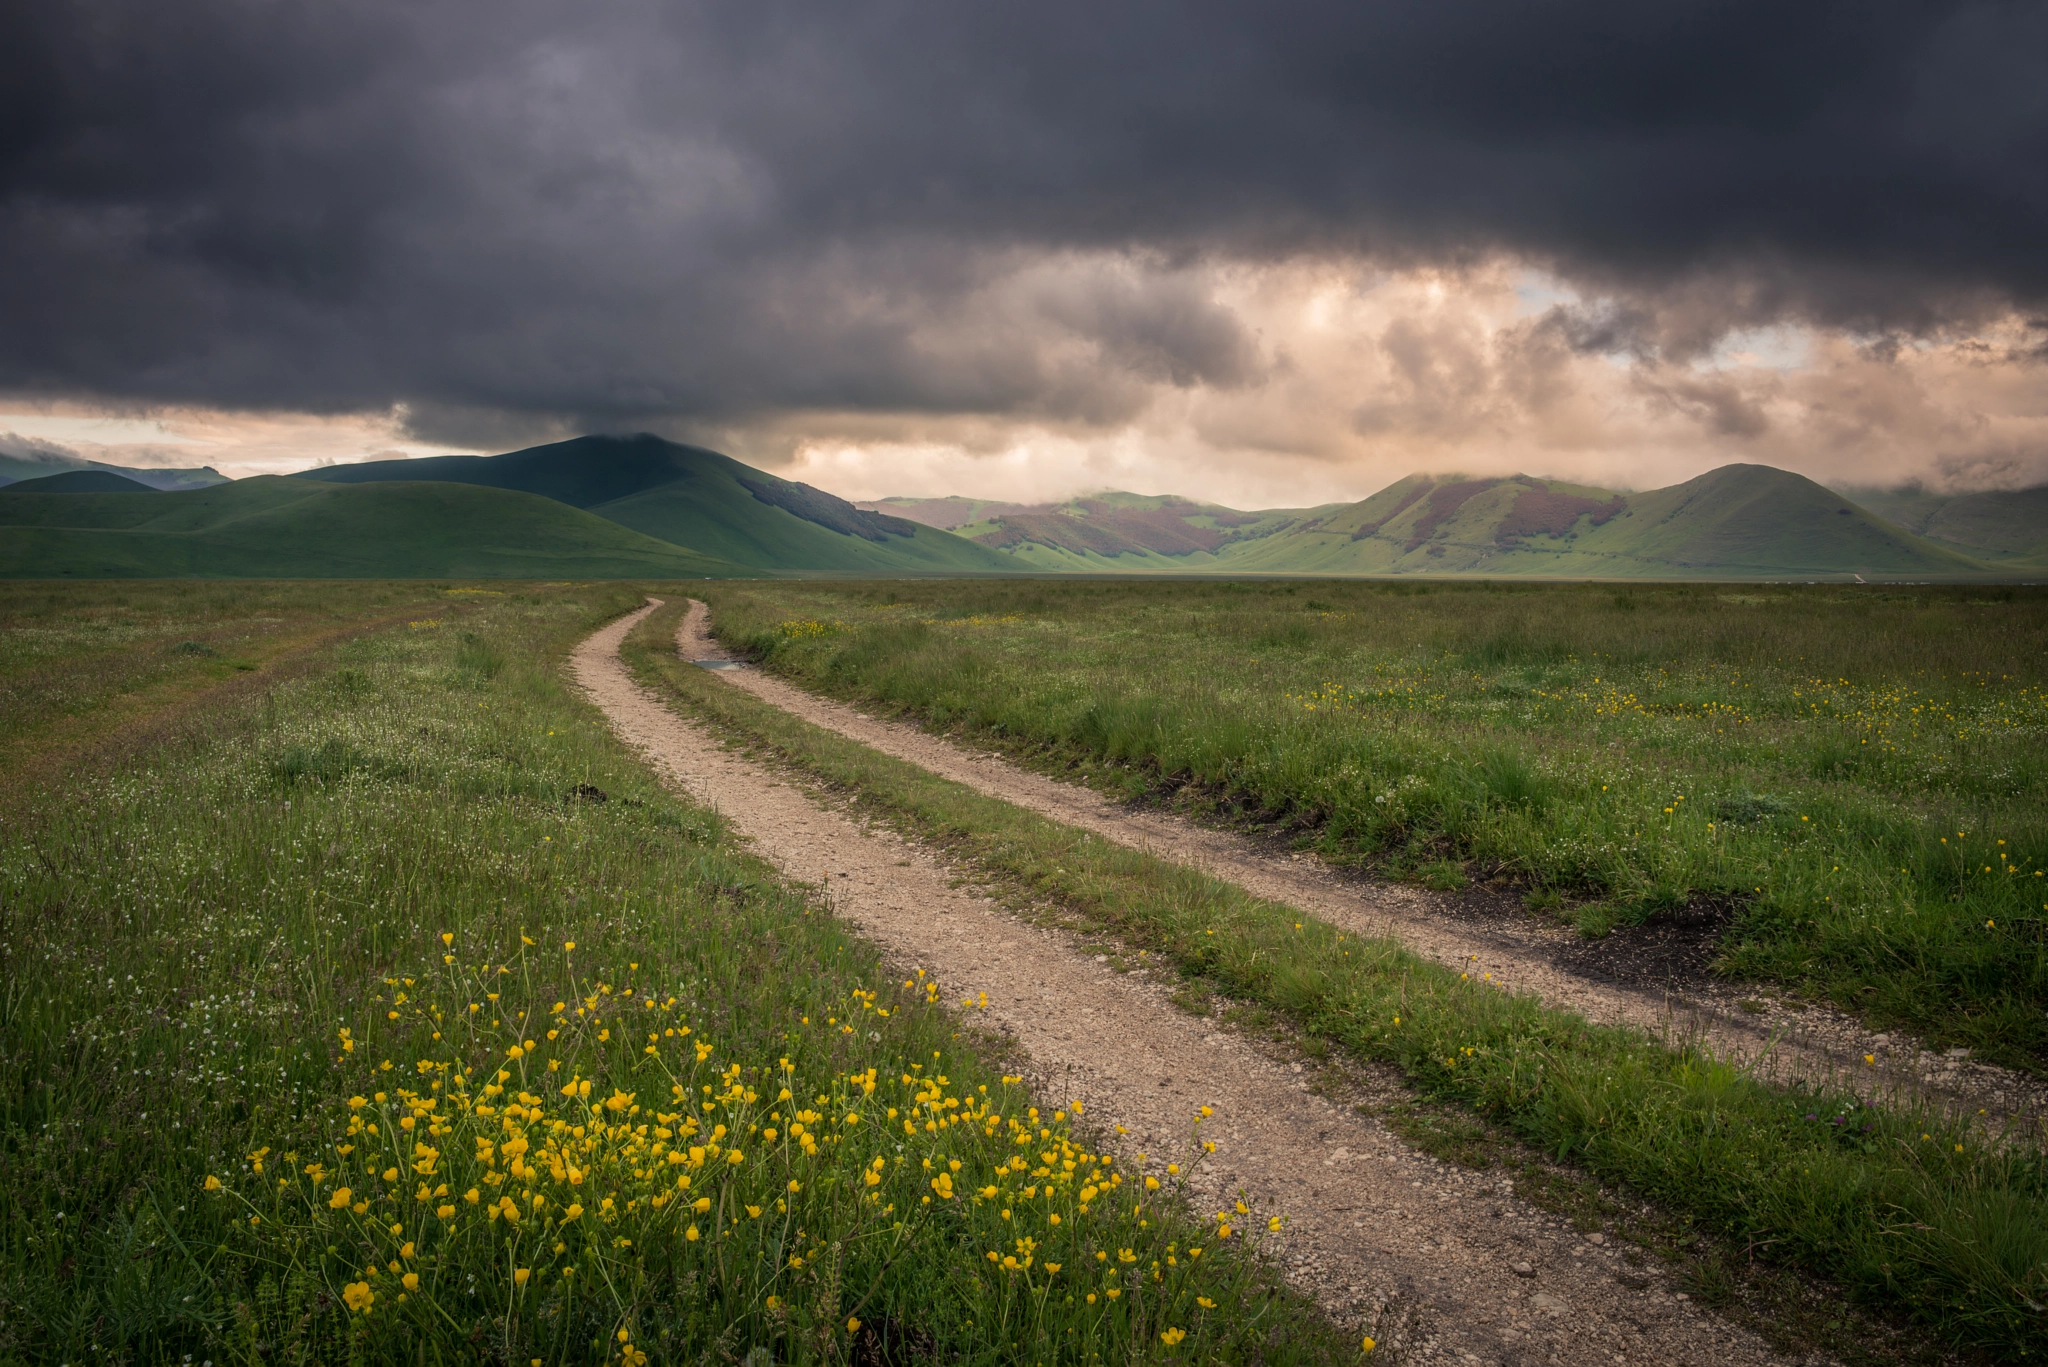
1295,383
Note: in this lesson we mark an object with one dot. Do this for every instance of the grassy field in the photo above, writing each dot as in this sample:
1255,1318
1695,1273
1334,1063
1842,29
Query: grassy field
82,664
1856,777
391,1011
1910,1212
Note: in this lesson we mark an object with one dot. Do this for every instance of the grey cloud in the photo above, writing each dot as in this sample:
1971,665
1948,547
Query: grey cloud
1718,405
523,217
1441,378
37,448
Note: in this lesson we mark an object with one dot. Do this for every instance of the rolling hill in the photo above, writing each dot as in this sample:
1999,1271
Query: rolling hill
2005,527
953,512
1746,521
275,527
643,507
19,469
81,482
1104,533
688,496
1740,521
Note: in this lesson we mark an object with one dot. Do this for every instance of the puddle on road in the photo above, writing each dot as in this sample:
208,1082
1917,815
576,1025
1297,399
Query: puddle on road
720,664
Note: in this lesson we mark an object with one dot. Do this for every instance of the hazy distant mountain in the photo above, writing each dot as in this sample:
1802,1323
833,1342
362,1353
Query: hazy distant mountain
948,514
699,499
1740,520
2004,527
81,482
1103,532
1749,521
642,507
14,469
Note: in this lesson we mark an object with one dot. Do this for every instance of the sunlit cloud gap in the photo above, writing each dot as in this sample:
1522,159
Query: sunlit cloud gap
1285,384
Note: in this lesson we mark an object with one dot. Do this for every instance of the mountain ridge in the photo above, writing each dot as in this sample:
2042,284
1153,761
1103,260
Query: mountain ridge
639,506
697,498
18,469
1740,520
2004,526
80,482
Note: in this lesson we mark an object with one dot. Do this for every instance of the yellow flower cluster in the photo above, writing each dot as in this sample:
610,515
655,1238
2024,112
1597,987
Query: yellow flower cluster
803,629
557,1169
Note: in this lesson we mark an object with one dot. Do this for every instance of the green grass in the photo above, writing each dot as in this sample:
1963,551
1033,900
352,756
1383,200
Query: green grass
1859,773
271,527
1904,1210
383,892
82,665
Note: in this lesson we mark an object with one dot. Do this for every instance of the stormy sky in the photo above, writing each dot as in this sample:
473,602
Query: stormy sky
1266,253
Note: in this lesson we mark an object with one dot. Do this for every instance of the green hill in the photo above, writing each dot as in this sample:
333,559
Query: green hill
1112,533
80,482
951,512
1741,521
14,469
2001,526
1745,521
273,527
711,503
1752,519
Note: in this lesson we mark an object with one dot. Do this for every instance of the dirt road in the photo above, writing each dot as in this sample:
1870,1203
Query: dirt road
1446,1264
1663,988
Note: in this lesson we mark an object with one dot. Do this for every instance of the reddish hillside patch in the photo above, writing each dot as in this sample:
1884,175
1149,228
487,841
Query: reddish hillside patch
946,514
1445,500
1109,530
1366,529
1163,530
1539,512
1060,532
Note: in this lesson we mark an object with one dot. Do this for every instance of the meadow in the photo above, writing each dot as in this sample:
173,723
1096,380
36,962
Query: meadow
1925,1216
80,663
391,1009
1851,780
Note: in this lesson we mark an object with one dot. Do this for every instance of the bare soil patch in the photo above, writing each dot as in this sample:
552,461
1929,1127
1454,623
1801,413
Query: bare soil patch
1672,952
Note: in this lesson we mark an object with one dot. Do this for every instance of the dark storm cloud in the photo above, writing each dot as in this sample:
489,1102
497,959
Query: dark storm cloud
628,211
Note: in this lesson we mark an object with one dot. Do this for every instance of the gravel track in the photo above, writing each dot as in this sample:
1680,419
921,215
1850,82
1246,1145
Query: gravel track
1787,1041
1424,1253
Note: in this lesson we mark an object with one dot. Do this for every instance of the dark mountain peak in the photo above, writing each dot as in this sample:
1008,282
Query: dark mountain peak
692,497
1750,486
1743,475
582,471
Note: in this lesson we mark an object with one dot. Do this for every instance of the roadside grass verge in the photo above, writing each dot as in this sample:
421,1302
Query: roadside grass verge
398,1014
1904,1209
1860,775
